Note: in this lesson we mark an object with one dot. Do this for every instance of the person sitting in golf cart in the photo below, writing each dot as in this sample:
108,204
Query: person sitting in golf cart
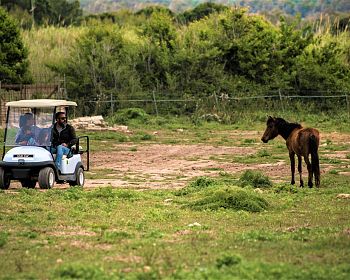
26,136
26,124
63,137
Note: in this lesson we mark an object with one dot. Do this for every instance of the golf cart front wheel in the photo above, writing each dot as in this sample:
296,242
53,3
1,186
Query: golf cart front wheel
4,180
46,178
80,178
27,183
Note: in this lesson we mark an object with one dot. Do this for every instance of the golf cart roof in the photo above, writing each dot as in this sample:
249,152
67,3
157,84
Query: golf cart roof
40,103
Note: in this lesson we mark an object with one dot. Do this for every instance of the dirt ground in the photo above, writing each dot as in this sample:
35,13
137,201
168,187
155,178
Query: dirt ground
158,166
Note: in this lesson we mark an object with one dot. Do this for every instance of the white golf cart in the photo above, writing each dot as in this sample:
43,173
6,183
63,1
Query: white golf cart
30,160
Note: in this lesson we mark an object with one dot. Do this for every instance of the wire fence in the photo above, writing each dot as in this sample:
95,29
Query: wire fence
278,100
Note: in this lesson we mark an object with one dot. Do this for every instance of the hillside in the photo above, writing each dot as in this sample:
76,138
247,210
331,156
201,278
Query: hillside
304,7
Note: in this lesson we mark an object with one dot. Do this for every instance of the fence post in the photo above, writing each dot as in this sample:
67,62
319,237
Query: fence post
279,92
216,102
112,105
155,102
347,104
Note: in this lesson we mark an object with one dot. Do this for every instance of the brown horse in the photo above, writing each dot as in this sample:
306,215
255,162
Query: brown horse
300,141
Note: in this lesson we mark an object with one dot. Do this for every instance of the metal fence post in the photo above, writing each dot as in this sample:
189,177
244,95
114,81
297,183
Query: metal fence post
279,92
155,102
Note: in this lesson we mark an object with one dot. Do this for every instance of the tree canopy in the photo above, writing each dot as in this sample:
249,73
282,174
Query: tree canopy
13,55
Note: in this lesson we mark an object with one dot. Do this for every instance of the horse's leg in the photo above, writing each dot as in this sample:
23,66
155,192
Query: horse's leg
292,166
309,169
300,171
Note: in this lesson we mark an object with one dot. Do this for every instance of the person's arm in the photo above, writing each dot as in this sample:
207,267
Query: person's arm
73,137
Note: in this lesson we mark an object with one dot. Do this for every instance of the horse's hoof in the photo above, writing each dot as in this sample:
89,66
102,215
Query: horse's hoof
292,182
310,185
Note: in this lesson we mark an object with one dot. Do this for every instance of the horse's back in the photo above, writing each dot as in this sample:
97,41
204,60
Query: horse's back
300,139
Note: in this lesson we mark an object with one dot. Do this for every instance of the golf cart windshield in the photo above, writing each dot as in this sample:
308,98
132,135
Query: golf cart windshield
29,126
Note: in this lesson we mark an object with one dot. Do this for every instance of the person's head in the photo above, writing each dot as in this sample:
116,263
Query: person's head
60,117
26,120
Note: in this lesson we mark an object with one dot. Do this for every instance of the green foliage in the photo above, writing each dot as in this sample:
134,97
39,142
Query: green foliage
124,116
78,271
228,260
201,11
254,179
3,238
199,184
13,56
230,198
59,12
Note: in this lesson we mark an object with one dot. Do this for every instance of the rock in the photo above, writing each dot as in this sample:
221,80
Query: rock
343,195
195,224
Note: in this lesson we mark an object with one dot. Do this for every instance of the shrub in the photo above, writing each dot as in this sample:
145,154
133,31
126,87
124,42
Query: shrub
77,271
230,198
123,116
197,185
228,260
3,238
254,179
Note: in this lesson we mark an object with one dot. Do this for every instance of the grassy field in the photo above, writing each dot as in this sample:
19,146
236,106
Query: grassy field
231,226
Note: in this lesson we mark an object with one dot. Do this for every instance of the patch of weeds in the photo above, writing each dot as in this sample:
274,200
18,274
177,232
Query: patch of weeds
3,238
228,260
258,235
254,179
284,188
106,193
80,271
154,234
347,156
127,195
113,237
334,172
263,153
331,160
29,234
230,198
133,149
197,185
74,193
249,141
146,137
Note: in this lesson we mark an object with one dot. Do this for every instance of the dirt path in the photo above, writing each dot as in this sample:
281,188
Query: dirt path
172,166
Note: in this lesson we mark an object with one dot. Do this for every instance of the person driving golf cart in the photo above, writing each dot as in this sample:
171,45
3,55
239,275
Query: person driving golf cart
63,138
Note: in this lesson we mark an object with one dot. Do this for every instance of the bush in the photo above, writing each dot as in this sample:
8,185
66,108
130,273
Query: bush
77,271
254,179
197,185
228,260
123,116
230,198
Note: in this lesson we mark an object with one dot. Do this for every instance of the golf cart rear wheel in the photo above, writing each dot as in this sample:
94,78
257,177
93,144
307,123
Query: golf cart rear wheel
80,178
46,178
28,183
4,180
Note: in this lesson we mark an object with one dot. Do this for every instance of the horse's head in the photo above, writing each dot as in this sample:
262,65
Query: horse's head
271,130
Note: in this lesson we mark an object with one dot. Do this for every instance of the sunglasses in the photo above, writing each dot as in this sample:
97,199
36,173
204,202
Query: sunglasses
62,118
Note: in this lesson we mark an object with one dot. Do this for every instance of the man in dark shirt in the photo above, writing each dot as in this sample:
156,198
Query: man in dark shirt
63,137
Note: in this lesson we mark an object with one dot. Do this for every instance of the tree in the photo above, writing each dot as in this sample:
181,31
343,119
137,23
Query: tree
13,55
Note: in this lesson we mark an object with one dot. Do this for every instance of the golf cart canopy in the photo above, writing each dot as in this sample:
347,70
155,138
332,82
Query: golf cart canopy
40,103
30,122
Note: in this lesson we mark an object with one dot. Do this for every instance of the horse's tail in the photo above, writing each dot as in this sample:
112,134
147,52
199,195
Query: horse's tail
314,159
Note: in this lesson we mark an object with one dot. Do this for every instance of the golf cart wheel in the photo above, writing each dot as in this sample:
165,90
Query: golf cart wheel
46,178
80,178
4,180
27,183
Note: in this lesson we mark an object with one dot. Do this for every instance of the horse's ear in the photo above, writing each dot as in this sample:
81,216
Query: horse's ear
270,118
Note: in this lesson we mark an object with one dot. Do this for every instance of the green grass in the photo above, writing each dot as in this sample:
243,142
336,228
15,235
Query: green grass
125,234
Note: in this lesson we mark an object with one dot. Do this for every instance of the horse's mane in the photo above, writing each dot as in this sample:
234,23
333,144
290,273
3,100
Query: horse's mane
285,128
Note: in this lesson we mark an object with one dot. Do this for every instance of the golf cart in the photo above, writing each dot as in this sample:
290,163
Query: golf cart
30,158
